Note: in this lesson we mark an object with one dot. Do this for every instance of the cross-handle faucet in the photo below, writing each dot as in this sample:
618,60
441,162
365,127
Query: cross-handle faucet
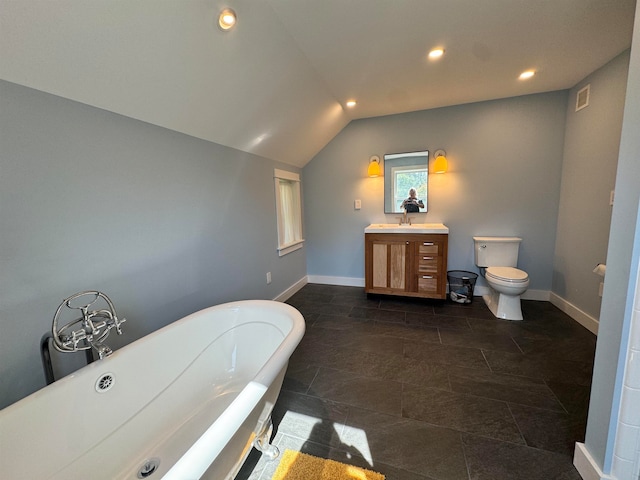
95,326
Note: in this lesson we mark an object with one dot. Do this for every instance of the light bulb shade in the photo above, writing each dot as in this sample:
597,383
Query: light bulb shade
374,167
440,165
440,162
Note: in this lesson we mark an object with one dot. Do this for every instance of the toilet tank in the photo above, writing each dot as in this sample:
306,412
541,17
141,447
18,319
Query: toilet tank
496,251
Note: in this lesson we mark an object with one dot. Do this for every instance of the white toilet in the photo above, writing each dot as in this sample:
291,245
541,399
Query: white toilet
497,258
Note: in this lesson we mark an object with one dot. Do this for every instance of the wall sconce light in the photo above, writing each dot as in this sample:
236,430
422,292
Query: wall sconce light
374,166
440,162
227,19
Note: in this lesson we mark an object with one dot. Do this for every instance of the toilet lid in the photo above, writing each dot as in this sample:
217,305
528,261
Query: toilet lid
507,274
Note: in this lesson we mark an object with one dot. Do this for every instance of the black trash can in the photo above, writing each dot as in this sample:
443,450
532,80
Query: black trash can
461,285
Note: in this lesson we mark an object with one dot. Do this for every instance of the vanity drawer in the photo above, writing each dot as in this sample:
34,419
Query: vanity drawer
427,283
428,264
429,248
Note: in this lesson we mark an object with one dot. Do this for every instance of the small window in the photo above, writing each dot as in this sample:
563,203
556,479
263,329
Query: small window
405,178
288,211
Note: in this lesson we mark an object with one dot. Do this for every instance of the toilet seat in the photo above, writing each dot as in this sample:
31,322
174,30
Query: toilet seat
507,274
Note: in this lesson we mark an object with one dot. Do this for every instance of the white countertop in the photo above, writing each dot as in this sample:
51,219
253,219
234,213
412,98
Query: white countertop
415,228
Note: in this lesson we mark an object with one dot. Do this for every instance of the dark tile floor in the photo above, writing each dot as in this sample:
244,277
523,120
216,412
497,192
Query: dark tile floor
419,389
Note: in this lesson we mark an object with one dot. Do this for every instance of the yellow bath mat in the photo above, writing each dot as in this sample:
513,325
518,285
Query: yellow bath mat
300,466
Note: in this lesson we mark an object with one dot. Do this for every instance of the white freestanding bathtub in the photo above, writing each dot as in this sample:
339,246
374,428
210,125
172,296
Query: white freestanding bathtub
184,402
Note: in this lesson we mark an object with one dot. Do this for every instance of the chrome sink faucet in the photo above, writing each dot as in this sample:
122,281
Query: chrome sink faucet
88,331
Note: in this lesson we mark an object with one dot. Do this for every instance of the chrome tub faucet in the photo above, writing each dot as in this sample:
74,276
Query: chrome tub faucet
90,330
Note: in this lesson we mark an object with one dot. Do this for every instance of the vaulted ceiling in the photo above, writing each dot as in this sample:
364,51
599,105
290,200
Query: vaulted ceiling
276,85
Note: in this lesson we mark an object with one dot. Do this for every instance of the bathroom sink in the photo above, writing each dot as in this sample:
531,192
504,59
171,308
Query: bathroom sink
414,228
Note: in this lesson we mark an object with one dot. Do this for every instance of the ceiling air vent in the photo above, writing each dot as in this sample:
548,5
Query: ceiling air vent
582,98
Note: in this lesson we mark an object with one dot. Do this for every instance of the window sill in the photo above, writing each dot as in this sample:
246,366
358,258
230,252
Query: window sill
291,247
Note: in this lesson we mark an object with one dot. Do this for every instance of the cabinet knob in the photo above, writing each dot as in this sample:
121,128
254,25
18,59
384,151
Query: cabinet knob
407,243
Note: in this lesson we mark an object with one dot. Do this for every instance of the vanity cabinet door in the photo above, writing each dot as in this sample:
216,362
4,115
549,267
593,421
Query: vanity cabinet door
386,264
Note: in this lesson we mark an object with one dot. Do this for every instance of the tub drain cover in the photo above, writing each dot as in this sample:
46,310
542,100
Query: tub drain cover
149,468
105,382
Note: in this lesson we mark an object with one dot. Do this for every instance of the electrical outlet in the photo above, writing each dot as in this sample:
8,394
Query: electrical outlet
601,289
357,204
611,196
268,277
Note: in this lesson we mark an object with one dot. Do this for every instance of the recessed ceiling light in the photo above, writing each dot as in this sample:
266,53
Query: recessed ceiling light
351,103
227,19
436,53
527,74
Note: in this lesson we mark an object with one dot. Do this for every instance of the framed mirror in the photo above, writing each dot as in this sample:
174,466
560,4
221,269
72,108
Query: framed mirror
406,178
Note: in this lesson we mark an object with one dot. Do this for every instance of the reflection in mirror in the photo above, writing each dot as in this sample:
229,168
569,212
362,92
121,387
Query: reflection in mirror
404,172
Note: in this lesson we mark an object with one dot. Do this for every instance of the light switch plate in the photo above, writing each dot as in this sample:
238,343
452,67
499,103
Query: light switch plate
357,204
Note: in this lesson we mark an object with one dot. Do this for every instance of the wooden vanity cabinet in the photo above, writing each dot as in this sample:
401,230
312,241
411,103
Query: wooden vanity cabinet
413,265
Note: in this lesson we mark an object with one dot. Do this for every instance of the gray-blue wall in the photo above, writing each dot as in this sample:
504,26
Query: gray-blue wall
623,255
505,163
163,223
589,165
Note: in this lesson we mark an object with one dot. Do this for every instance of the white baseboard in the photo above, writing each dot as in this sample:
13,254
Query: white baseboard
478,291
538,295
586,465
289,292
344,281
583,318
